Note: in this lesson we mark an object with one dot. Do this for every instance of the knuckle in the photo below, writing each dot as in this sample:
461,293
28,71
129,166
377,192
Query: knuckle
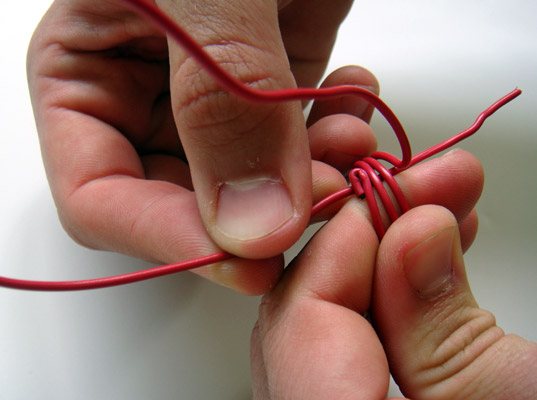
201,103
473,332
468,332
71,226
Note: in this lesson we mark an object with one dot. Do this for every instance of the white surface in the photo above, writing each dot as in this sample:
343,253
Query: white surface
439,63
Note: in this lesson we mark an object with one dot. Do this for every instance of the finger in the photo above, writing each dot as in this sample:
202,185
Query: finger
250,163
440,344
454,181
82,101
468,230
326,181
309,29
311,341
105,202
159,222
356,106
450,167
340,140
161,167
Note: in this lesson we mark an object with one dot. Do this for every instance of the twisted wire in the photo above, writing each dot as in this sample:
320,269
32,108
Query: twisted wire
368,177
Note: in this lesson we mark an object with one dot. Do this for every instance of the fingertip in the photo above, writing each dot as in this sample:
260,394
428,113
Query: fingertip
392,286
468,230
252,209
337,264
423,307
353,74
469,162
259,219
393,294
454,181
414,227
248,277
250,161
348,75
340,140
468,170
312,324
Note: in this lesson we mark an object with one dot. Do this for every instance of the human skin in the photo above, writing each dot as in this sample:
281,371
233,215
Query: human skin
312,342
140,146
143,154
147,156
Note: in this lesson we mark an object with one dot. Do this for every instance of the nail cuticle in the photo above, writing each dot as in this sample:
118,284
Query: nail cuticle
428,266
252,208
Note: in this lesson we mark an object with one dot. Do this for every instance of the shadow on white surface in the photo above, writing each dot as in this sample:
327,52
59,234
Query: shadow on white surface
172,337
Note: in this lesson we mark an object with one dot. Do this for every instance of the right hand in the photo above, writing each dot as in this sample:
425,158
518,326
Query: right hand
440,343
311,340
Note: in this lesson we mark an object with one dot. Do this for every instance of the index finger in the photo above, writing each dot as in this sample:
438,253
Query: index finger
311,340
98,180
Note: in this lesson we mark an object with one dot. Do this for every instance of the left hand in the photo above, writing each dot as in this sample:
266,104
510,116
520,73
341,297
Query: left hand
129,128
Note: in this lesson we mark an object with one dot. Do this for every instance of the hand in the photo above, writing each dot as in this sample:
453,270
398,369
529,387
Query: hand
313,342
124,149
440,344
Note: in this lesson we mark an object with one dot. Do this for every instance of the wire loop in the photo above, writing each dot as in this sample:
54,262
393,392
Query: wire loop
368,176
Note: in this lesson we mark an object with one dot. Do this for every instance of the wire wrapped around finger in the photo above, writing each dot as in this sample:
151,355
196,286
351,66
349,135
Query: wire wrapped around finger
367,178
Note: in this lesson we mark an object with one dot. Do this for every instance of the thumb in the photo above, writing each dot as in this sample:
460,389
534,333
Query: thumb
250,163
439,343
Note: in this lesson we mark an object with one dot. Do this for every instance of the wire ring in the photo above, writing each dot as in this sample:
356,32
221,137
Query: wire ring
368,176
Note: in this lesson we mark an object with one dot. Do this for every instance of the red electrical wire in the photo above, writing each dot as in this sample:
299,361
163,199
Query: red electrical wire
368,176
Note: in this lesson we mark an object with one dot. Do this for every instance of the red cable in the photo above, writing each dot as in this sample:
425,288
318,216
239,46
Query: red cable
235,86
464,134
117,280
367,176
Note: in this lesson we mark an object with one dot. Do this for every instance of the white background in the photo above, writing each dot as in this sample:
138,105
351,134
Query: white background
439,64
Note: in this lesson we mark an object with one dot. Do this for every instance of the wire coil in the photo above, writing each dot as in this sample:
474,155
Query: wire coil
367,179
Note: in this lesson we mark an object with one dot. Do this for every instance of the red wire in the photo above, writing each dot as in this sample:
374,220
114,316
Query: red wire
235,86
365,179
464,134
117,280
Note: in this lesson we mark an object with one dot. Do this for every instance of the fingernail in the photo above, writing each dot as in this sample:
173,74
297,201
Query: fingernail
428,267
224,274
252,209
